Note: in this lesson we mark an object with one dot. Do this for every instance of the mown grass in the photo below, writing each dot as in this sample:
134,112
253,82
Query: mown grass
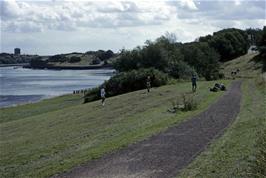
47,105
45,141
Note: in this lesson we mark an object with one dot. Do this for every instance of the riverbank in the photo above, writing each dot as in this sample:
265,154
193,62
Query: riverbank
8,101
14,65
69,67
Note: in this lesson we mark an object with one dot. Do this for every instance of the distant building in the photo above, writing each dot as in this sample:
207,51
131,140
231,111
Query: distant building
17,51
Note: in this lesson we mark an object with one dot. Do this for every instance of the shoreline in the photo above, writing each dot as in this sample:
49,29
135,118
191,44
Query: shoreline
51,67
14,65
42,97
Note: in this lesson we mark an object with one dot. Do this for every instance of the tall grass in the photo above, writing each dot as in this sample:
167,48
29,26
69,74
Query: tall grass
258,165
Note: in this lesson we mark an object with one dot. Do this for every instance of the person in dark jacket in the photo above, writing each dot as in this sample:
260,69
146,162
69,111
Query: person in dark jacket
194,82
148,83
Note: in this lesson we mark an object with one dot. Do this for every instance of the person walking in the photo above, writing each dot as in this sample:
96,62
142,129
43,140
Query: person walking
103,95
148,83
194,82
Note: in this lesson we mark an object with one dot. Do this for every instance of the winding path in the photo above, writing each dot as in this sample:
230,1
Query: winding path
165,154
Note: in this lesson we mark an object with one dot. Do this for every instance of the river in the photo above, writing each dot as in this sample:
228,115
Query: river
20,85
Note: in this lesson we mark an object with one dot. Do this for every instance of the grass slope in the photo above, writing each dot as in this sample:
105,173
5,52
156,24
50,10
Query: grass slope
250,66
38,142
232,155
44,106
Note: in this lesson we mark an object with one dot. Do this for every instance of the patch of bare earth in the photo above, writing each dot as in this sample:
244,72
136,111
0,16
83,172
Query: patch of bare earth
165,154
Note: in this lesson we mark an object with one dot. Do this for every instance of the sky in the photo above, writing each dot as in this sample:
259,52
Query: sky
51,27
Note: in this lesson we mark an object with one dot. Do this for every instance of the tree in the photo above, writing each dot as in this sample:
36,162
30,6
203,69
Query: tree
38,63
229,43
262,43
74,59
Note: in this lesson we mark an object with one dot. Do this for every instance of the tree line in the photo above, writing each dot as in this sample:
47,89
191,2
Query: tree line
164,58
201,57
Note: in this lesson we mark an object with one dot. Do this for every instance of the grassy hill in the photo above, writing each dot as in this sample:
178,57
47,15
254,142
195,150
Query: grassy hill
54,135
45,138
250,66
240,152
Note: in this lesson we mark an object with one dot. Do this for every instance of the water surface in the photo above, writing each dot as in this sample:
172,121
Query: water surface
20,85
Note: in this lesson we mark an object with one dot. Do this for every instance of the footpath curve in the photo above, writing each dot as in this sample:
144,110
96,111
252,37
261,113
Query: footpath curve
165,154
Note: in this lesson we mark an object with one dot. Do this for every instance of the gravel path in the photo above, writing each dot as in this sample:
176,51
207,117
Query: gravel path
165,154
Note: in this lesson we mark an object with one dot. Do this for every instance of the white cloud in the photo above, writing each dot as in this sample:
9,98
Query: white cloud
188,4
9,9
90,25
72,15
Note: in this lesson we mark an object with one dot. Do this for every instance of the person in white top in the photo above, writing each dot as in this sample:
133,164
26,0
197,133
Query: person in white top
103,95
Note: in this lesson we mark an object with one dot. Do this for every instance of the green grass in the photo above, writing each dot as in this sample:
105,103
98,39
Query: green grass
42,139
248,65
238,152
230,155
44,106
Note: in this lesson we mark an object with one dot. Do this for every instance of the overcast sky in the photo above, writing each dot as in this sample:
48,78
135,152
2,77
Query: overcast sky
56,26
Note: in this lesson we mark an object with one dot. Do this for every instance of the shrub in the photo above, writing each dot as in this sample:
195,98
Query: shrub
181,70
38,63
186,102
96,61
74,59
58,58
221,75
92,95
134,80
189,102
127,82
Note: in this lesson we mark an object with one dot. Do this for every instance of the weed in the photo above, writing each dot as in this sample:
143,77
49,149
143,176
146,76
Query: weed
189,102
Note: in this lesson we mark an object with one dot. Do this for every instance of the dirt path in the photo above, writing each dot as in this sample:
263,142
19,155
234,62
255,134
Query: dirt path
165,154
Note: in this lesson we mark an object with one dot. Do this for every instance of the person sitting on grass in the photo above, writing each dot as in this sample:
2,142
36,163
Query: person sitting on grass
148,83
103,95
218,87
194,82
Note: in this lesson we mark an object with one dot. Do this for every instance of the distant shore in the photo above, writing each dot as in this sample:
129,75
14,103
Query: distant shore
11,65
53,67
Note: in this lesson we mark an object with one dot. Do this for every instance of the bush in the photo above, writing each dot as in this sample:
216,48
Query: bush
92,95
221,75
96,61
181,70
38,63
127,82
58,58
74,59
104,55
186,102
203,58
134,80
189,102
